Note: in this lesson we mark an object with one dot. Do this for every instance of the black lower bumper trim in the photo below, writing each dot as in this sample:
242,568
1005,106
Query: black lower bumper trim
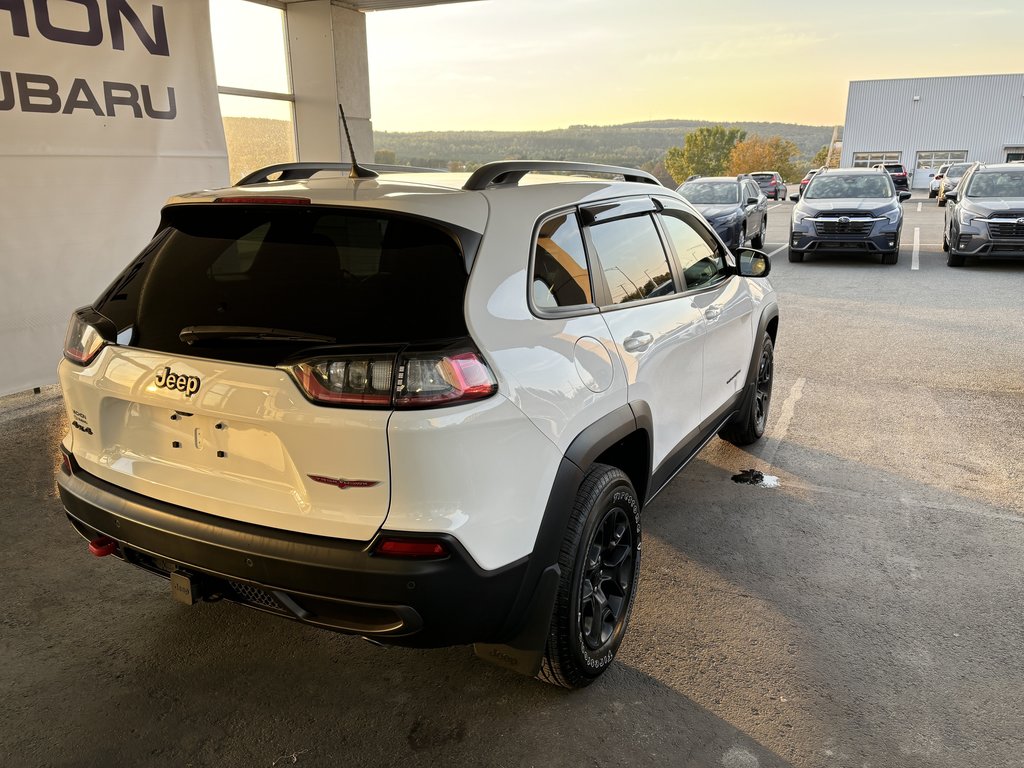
333,583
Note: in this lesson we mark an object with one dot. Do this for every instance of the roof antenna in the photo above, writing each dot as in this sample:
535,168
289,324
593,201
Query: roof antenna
357,171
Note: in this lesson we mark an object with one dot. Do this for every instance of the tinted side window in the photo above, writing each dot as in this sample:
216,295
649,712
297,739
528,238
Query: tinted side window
633,259
561,277
699,259
751,190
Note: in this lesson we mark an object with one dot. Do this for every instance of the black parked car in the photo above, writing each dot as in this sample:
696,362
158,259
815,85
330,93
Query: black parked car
897,173
848,210
985,215
771,184
734,206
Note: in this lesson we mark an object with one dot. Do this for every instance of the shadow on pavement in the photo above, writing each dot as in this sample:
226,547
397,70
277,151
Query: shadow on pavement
102,668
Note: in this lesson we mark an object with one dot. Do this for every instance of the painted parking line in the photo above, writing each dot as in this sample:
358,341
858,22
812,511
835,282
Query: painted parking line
919,207
773,207
915,261
781,247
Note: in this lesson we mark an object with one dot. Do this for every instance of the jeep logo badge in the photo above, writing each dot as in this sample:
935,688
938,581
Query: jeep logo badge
179,381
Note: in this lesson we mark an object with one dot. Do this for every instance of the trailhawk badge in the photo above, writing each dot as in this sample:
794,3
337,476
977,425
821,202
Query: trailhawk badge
342,483
179,381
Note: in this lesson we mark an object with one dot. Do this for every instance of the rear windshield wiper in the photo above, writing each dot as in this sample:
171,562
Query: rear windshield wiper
193,333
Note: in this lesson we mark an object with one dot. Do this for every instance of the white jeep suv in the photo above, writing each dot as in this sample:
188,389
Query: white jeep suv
424,408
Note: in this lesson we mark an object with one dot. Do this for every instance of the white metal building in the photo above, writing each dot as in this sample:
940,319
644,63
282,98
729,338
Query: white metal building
927,121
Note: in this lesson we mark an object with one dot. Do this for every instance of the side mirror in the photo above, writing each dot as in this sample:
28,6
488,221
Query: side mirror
752,201
951,196
795,198
904,196
753,263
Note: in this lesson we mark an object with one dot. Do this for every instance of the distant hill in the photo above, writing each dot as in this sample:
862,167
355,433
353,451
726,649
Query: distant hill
631,144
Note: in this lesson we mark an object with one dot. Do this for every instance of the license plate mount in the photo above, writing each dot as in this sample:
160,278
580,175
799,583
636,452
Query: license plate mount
184,588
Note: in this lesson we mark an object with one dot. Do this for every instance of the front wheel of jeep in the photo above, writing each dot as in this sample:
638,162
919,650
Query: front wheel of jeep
748,425
599,562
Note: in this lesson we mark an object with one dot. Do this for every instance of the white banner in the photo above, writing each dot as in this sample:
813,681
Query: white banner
107,108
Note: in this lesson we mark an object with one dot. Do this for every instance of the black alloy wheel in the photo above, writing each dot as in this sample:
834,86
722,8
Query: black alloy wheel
607,579
599,564
763,387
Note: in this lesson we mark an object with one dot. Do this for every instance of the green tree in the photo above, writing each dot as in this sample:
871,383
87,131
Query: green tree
771,154
384,156
705,152
819,159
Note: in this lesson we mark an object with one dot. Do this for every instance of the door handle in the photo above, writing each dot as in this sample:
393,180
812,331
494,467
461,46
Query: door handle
638,341
712,313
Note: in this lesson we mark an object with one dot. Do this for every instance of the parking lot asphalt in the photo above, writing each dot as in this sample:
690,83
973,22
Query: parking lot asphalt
868,611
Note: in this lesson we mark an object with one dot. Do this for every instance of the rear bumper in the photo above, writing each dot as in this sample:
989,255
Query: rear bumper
337,584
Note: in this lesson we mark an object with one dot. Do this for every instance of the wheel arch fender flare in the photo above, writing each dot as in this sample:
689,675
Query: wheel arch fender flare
768,323
522,640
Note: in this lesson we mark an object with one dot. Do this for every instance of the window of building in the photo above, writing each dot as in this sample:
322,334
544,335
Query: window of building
250,52
868,159
633,259
1014,154
939,158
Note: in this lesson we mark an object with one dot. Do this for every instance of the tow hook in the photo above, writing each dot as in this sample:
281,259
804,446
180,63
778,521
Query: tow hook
103,546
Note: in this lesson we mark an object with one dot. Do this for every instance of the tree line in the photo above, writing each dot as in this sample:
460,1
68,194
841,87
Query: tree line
651,146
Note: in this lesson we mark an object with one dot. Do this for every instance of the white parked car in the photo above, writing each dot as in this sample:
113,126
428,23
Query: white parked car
425,408
936,181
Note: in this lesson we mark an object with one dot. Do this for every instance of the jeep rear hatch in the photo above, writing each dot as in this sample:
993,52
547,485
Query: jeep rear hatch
252,358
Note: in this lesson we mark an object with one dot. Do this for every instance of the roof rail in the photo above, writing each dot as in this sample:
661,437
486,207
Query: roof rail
510,172
293,171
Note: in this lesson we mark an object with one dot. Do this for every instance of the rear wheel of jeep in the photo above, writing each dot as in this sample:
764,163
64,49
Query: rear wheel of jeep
599,561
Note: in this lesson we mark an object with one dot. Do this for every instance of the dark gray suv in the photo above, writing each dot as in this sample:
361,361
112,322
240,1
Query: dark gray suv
848,210
733,205
985,216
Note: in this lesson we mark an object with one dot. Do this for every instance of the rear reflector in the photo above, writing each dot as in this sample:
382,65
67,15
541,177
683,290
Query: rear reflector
411,548
263,200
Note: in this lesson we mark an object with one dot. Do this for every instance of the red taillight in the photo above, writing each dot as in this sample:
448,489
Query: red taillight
263,200
348,380
411,548
412,379
65,464
434,379
83,340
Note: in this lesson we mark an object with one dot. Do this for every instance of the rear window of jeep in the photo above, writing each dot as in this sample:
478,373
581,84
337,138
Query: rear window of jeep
323,274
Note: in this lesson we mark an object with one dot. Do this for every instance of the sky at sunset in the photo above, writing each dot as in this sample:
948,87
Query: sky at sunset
538,64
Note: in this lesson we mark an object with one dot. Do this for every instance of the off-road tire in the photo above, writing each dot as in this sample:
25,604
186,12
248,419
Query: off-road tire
748,425
891,257
605,501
